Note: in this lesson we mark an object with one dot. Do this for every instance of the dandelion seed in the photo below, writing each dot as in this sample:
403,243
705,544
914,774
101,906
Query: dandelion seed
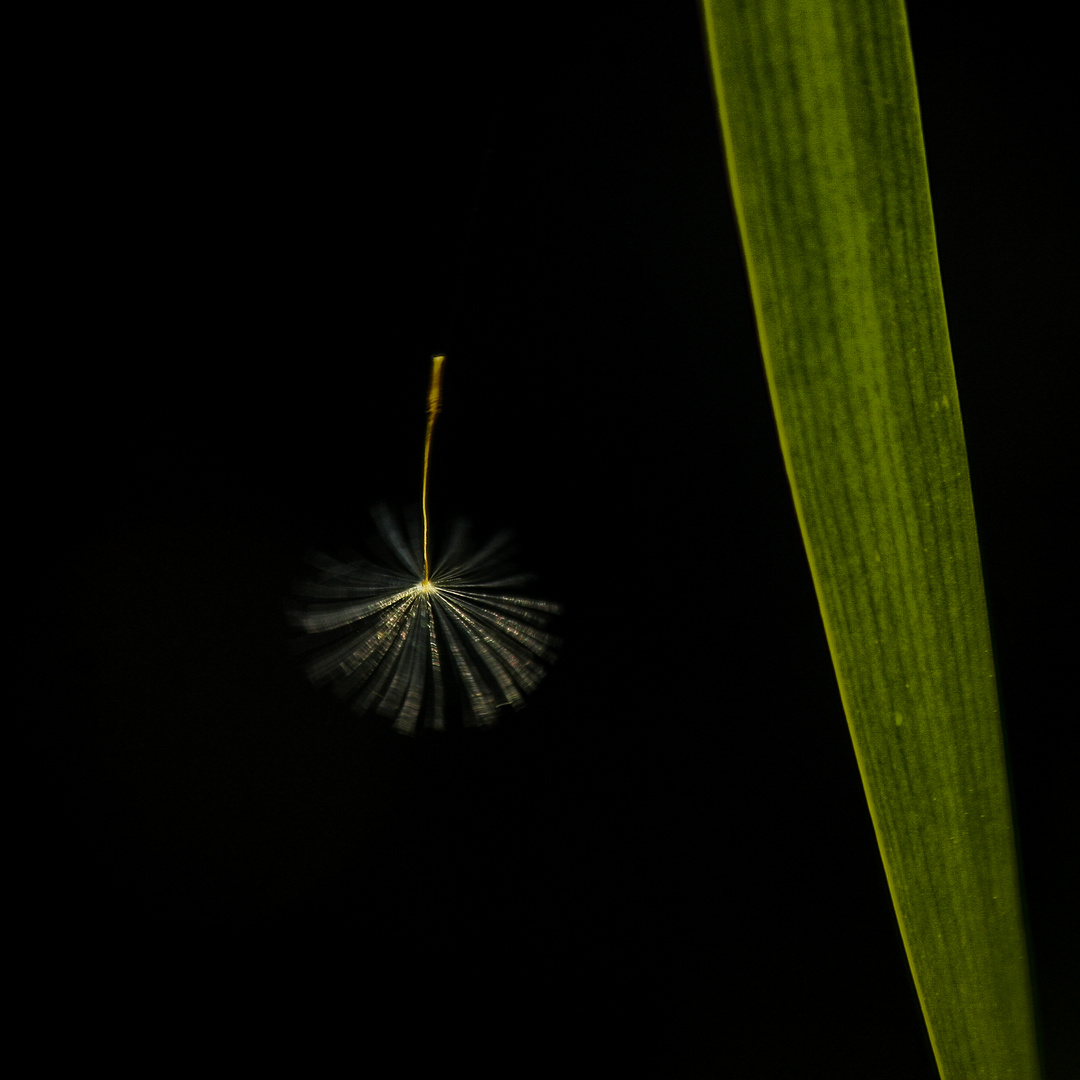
397,638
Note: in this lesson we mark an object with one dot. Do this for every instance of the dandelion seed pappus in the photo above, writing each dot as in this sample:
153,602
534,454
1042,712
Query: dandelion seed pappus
424,645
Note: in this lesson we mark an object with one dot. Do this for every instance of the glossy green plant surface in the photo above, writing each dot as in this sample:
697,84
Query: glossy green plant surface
821,128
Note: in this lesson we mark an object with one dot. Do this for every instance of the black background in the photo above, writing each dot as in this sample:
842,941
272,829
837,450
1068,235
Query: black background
260,228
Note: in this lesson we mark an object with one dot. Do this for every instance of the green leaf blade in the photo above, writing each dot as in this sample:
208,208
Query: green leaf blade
824,145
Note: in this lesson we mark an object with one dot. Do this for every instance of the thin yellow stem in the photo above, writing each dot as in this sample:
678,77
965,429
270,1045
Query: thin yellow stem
434,403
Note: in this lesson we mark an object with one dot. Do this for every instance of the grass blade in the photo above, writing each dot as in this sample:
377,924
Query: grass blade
821,127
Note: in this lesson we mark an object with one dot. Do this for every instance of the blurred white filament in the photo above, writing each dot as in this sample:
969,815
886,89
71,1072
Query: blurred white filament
393,640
